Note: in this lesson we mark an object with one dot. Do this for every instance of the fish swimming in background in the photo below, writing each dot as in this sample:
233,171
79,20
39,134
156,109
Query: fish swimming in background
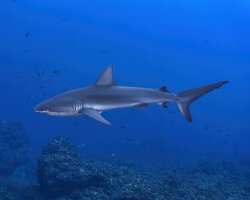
106,95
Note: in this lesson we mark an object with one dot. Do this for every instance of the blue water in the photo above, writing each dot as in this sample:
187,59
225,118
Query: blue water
49,47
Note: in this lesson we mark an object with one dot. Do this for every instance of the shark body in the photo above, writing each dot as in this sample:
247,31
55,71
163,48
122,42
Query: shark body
106,95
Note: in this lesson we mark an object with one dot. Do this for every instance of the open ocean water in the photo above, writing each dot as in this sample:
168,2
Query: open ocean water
50,47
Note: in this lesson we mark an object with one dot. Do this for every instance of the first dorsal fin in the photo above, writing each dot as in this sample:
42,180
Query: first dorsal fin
106,78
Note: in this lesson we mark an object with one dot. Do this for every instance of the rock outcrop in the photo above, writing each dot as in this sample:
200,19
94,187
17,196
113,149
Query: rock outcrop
63,174
62,171
14,147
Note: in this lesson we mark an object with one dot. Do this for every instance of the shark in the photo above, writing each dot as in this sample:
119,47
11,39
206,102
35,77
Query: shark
105,95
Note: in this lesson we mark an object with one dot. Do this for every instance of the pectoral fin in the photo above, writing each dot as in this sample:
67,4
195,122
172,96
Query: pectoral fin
95,114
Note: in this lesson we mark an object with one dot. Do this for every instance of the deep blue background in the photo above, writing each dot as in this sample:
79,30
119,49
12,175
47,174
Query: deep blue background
181,44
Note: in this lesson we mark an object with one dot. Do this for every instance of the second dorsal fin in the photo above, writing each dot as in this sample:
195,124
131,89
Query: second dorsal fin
164,89
106,78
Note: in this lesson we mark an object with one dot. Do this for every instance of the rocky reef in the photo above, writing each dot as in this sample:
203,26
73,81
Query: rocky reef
62,170
16,166
64,174
14,147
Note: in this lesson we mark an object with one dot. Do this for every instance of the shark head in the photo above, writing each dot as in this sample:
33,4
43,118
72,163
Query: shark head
59,106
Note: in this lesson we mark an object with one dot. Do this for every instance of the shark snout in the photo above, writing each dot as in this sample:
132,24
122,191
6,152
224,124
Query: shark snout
40,108
37,108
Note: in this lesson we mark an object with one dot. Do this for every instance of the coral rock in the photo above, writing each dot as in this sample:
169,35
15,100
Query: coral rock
14,147
61,169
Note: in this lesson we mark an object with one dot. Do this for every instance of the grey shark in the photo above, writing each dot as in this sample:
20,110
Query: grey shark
106,95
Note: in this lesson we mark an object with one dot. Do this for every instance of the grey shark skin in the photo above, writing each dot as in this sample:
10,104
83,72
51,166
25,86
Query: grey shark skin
106,95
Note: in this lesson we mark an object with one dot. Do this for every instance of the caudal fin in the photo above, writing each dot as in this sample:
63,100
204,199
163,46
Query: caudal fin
188,96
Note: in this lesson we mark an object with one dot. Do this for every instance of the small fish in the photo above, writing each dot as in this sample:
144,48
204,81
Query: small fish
104,51
27,35
206,127
225,142
123,127
30,98
40,73
55,71
113,154
65,19
26,51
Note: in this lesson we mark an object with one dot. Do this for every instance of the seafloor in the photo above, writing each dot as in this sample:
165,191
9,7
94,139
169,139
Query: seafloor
61,173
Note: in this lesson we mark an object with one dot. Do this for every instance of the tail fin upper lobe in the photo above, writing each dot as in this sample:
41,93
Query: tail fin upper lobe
188,96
